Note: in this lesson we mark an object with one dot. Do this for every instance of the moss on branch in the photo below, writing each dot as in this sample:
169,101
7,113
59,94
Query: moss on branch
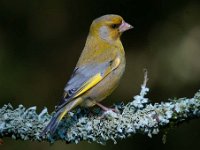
138,116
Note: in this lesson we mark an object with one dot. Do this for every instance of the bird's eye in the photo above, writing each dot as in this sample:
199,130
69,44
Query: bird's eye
114,26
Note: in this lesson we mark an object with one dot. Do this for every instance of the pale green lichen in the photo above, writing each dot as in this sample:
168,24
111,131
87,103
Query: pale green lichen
138,116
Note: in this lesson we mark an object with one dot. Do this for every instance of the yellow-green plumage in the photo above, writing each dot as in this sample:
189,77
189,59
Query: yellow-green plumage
98,70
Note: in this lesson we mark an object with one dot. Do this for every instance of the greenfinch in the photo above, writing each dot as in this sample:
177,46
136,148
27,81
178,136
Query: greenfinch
98,71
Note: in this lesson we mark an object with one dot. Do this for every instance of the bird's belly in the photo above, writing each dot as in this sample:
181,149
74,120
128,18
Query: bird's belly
104,88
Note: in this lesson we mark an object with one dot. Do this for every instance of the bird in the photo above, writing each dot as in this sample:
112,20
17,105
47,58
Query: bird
98,70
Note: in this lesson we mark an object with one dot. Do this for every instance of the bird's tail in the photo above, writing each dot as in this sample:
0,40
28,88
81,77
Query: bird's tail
57,117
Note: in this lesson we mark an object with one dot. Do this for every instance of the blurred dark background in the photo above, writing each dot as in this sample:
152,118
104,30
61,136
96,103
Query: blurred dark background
40,42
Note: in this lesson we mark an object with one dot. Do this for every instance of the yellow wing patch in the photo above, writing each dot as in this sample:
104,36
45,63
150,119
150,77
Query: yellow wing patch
97,78
89,84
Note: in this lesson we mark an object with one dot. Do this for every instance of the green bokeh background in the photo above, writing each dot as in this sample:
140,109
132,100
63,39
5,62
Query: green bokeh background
40,42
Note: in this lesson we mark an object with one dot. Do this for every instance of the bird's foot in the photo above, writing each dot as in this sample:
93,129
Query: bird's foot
108,112
106,108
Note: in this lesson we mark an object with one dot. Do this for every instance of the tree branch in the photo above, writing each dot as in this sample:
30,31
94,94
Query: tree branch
138,116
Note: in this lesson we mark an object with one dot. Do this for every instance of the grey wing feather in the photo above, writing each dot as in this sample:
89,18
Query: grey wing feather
79,77
82,75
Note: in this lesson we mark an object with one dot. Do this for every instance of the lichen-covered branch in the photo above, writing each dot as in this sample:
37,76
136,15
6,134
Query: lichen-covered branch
138,116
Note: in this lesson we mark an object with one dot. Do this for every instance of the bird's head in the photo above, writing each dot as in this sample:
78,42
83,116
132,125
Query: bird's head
109,27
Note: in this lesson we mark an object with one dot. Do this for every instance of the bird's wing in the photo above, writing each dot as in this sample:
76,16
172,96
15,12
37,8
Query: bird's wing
86,77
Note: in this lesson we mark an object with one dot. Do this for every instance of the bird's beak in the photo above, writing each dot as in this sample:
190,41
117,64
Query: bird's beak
124,26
